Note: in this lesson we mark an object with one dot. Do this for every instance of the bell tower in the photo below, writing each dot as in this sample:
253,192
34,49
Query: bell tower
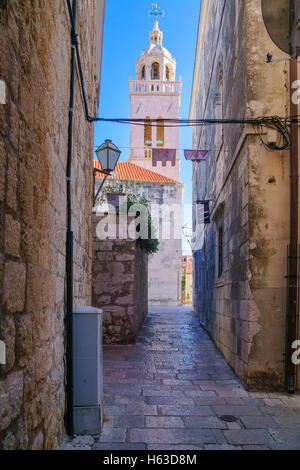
155,94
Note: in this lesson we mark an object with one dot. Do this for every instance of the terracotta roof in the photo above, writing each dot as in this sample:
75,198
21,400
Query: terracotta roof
129,171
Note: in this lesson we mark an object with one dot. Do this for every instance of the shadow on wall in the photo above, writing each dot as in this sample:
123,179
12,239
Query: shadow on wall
119,286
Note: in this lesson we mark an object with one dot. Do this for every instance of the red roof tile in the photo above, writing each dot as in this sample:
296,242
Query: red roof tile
129,171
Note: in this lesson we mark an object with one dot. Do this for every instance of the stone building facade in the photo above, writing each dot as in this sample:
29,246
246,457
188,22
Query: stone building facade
240,257
35,67
187,279
165,203
155,94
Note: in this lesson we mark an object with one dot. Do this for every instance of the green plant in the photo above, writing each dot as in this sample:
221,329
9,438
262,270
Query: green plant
183,282
113,188
149,245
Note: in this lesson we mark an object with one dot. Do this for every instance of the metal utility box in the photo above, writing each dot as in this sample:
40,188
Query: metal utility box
87,370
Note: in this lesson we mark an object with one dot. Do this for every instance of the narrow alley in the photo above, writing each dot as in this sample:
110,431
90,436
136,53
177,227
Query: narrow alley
171,390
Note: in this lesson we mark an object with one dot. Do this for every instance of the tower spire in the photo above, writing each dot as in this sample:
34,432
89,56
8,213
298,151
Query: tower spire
156,36
156,11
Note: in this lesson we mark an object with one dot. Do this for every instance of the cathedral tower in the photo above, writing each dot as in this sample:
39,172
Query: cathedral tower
155,94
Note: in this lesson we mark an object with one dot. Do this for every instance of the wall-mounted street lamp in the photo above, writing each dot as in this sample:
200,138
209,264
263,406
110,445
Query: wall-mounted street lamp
108,155
188,233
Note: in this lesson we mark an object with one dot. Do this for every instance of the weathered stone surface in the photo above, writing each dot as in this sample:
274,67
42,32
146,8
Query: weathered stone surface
172,436
43,362
14,286
11,391
12,236
82,441
38,442
8,335
24,339
241,298
128,417
35,64
2,171
9,442
12,181
164,422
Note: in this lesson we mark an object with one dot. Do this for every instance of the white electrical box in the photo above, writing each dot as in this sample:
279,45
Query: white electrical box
2,353
87,371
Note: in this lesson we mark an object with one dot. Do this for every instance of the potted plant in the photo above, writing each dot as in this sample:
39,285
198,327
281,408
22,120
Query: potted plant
111,194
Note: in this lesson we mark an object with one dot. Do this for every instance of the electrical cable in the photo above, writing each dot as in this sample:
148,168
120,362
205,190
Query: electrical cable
277,123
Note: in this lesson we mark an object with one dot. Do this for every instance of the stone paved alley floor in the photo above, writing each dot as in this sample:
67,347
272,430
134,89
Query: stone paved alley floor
169,391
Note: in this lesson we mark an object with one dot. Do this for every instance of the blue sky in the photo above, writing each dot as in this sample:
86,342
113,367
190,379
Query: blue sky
126,29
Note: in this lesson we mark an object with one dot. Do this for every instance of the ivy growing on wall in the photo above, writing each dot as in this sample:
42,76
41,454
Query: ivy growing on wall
150,244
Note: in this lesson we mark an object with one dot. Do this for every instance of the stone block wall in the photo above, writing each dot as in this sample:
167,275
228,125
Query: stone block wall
119,286
244,309
35,66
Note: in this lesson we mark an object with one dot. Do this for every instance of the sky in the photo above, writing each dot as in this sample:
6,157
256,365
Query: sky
126,33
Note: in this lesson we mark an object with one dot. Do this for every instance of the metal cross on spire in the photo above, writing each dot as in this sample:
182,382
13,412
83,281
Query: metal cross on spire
156,11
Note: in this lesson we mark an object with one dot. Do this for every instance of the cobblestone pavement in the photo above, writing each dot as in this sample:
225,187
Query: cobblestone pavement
169,391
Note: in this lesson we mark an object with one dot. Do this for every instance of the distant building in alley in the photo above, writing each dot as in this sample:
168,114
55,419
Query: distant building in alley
240,258
35,66
164,277
155,94
187,279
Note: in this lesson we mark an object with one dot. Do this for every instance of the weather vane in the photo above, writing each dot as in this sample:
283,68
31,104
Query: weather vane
156,11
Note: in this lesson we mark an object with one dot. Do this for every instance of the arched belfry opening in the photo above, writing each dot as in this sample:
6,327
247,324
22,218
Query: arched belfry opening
167,73
155,72
143,72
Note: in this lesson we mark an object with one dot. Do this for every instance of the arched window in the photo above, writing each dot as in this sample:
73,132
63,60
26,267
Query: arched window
167,73
147,132
218,102
155,71
143,73
160,133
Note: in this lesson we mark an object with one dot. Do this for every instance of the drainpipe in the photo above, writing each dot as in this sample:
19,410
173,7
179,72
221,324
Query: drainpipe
293,250
69,246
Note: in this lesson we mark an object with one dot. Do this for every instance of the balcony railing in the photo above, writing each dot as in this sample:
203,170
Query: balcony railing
154,86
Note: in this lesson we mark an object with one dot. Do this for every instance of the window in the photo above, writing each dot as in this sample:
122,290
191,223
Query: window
167,73
143,73
147,131
220,251
160,133
218,102
155,71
